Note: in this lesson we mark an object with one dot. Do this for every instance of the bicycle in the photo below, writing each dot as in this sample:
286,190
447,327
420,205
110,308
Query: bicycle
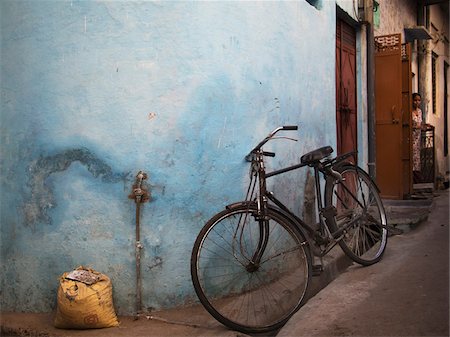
251,263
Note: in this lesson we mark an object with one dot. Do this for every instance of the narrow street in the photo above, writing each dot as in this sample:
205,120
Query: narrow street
406,294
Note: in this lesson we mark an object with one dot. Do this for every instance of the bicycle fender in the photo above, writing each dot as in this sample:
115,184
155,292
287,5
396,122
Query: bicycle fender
240,204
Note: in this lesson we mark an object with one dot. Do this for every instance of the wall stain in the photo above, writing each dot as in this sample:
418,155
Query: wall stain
42,198
309,203
157,261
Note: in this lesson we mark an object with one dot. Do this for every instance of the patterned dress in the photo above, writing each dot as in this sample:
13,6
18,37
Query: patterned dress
417,123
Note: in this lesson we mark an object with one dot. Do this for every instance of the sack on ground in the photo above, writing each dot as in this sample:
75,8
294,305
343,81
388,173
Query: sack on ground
85,301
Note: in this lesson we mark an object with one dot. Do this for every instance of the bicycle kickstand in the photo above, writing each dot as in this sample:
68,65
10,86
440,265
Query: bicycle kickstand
317,268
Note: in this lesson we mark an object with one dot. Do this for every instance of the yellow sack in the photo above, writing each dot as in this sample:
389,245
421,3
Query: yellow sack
85,301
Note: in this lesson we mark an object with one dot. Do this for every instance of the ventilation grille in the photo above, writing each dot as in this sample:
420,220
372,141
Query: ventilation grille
387,42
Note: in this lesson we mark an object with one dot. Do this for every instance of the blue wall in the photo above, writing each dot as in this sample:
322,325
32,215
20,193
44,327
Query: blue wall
93,92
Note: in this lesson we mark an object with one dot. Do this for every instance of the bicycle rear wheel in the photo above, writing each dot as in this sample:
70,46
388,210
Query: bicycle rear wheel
360,214
239,294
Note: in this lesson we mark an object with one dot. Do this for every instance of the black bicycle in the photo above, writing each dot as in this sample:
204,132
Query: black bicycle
252,262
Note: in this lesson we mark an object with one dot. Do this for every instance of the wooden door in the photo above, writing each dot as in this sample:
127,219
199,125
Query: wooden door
346,113
390,141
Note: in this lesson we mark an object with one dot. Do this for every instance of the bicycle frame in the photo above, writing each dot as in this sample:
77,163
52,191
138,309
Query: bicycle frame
326,214
252,262
318,190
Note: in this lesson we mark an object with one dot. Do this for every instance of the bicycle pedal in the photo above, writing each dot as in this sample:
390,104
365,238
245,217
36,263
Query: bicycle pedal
317,270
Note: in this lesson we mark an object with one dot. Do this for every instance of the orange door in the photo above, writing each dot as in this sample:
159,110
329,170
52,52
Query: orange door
388,106
346,88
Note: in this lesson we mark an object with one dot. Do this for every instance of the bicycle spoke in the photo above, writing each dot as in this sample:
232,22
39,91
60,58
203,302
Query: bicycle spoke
293,249
231,253
360,215
240,294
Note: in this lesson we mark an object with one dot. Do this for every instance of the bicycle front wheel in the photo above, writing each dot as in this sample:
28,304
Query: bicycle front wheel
243,294
361,217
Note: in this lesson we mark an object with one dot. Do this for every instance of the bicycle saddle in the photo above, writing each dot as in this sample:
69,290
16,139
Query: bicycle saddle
316,155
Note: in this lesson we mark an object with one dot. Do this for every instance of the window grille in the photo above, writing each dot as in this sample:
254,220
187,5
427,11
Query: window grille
427,154
433,80
387,42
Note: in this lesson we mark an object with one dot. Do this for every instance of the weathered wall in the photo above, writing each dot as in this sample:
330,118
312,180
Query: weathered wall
93,92
395,16
438,47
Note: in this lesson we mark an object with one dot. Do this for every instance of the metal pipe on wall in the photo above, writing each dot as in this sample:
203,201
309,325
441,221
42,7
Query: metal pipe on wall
140,195
371,120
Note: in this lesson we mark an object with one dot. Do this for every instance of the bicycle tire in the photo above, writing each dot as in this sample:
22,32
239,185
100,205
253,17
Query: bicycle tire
357,200
242,299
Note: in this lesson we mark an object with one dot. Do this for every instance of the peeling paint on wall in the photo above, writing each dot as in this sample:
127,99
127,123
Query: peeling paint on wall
42,197
181,89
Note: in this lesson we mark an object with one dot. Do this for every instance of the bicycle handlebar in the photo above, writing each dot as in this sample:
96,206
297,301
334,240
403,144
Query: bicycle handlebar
290,127
265,140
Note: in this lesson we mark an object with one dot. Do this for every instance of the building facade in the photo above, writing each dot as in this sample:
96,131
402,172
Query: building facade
93,92
423,26
436,60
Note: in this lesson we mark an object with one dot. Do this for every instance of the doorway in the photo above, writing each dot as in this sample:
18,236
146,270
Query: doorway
346,109
393,116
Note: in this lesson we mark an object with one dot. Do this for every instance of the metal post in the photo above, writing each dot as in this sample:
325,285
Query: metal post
138,247
371,120
140,195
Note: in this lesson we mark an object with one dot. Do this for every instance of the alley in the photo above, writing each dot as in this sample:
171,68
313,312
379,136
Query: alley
406,294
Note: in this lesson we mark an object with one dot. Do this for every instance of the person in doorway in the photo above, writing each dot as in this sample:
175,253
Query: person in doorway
417,126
